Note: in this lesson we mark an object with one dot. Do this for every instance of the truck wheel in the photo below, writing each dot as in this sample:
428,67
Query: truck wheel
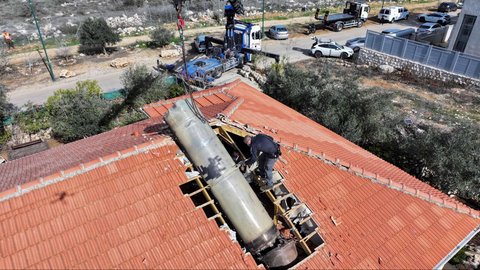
360,24
406,18
318,54
240,62
339,27
343,55
217,74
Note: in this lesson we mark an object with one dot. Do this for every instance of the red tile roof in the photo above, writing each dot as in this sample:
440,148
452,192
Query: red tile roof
44,163
124,211
383,211
377,227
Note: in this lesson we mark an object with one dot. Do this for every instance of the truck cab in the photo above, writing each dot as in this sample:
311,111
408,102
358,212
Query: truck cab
357,9
248,35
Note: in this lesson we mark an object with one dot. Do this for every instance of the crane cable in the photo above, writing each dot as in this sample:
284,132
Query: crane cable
181,25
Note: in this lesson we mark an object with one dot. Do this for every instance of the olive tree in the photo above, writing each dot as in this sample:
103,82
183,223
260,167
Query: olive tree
94,34
76,113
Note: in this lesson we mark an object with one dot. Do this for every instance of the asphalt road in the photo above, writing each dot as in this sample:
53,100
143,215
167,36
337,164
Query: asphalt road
293,49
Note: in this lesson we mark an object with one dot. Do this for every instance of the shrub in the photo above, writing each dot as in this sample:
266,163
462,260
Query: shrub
336,102
94,34
161,37
4,60
33,119
23,9
137,3
76,113
3,108
460,257
4,138
68,29
63,51
163,13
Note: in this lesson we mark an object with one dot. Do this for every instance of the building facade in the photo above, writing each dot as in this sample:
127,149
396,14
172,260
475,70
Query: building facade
466,33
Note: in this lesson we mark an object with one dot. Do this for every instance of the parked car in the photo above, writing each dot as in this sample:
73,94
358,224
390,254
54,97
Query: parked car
428,28
199,43
278,32
356,43
436,17
395,32
460,4
330,48
447,7
391,14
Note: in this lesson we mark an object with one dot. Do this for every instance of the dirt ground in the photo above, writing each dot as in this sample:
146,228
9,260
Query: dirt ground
443,106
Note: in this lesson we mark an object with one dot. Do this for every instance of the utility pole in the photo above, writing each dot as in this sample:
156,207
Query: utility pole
263,18
49,65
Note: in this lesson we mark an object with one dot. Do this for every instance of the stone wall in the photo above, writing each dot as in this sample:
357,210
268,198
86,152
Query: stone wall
374,58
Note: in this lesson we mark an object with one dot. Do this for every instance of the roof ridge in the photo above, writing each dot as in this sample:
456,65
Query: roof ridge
199,94
60,176
232,107
361,172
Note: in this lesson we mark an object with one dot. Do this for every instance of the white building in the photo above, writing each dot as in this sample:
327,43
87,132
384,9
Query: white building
466,33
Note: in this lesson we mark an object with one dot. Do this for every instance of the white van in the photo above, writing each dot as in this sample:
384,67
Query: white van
391,14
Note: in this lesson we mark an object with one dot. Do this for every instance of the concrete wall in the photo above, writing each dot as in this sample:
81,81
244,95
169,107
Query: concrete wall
375,59
470,7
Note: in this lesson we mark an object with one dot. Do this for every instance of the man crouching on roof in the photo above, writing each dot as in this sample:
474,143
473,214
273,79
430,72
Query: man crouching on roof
267,151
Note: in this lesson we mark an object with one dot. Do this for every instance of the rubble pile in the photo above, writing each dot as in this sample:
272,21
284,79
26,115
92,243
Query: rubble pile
252,75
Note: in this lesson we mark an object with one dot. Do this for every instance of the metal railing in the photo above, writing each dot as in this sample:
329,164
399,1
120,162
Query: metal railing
440,58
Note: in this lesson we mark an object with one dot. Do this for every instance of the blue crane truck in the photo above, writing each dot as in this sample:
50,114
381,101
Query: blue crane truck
241,41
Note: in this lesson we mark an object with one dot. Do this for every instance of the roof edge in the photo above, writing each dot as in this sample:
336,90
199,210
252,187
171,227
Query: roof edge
452,253
60,176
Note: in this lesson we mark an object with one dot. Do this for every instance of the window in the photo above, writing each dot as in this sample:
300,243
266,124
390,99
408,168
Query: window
464,33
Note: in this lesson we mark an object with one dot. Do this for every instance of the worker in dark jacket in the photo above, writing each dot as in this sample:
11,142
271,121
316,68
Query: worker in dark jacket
267,151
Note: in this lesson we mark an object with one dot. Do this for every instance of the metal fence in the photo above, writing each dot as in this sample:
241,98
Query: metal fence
451,61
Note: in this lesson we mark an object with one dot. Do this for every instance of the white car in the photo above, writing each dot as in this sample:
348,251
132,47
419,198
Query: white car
330,48
436,17
391,14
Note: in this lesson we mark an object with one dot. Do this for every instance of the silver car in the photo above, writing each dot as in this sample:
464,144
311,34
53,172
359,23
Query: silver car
356,43
278,32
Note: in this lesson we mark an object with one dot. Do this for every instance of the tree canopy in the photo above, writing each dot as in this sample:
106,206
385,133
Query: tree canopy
94,33
76,113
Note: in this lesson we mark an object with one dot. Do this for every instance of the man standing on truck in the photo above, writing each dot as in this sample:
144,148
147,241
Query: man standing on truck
8,40
267,151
